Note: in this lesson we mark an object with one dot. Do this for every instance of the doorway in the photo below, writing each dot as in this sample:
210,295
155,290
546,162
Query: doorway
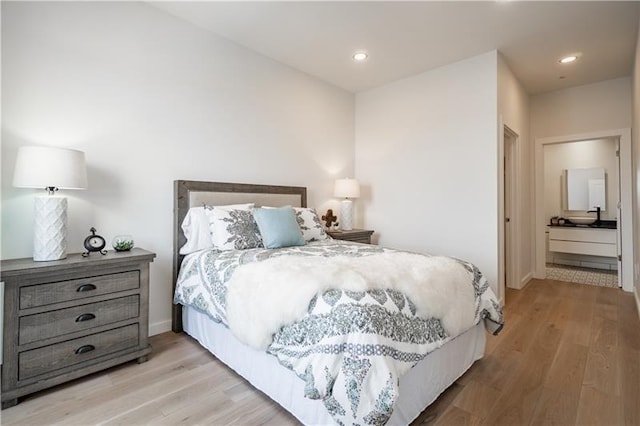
581,181
623,211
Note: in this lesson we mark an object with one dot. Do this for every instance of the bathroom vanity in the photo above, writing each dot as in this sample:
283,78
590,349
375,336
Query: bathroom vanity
593,241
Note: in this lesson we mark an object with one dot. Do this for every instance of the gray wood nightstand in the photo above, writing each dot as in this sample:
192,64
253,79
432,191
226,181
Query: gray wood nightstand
357,235
68,318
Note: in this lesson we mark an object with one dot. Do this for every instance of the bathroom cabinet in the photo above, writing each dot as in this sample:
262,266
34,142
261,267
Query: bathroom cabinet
589,241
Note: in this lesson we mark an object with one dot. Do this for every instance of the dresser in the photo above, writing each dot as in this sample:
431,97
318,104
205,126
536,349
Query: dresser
68,318
356,235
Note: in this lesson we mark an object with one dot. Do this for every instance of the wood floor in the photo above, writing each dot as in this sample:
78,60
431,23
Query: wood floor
569,355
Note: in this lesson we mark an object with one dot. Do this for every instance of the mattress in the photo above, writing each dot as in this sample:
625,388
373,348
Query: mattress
418,388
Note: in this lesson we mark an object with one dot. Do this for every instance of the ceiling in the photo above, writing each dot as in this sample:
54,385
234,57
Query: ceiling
407,38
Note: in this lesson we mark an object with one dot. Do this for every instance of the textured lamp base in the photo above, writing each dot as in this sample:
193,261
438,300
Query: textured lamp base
346,221
50,229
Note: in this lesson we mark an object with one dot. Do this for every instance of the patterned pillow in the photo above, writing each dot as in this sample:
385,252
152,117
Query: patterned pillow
195,226
233,229
310,225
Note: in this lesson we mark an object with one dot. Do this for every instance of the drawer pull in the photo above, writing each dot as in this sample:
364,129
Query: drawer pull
86,287
84,349
85,317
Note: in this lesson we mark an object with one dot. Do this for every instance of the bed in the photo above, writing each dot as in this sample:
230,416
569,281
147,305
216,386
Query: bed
294,381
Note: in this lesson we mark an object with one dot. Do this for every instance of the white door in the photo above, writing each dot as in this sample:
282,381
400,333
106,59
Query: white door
510,196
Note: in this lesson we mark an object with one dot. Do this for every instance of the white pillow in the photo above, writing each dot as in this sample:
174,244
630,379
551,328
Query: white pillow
310,225
196,227
234,229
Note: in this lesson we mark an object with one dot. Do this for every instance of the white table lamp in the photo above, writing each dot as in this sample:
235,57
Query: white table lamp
347,189
51,169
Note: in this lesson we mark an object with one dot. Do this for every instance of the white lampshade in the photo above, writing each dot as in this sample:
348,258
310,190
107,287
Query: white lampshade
44,167
346,188
50,168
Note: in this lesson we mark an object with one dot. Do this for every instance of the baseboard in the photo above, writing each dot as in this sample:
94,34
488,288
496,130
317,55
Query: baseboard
525,280
159,327
637,293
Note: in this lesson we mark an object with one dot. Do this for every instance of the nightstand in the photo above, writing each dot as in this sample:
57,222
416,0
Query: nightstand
72,317
357,235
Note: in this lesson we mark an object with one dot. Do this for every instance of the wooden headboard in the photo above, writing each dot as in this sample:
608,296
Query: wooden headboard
190,193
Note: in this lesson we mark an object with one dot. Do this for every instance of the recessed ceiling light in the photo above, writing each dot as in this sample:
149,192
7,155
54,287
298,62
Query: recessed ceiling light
360,56
568,59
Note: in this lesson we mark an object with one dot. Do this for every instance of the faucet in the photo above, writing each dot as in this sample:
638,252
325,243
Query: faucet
597,212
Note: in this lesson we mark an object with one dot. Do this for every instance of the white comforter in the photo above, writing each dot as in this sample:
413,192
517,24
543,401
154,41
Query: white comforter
349,319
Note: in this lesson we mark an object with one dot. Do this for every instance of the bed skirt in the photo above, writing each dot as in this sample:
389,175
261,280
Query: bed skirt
418,388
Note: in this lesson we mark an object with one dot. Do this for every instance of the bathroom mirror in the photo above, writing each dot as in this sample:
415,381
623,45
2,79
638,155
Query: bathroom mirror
586,189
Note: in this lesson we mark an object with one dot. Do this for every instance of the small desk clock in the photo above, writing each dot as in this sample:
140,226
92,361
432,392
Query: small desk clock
94,243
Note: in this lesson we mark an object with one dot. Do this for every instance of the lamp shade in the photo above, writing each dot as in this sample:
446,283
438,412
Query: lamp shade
43,167
346,188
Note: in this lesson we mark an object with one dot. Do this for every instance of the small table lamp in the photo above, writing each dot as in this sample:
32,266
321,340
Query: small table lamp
51,169
347,189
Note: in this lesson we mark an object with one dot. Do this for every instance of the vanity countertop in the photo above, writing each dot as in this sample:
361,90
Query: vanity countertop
604,224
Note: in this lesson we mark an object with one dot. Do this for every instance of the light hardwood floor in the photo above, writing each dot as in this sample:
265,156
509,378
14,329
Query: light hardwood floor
569,355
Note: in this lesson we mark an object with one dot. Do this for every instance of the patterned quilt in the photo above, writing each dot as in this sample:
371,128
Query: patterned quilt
351,347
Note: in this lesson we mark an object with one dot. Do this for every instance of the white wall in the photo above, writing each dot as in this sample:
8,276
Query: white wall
151,99
513,107
579,155
426,155
582,109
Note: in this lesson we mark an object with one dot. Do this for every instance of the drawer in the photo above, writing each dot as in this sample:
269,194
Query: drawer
606,236
56,323
54,357
365,240
578,247
46,294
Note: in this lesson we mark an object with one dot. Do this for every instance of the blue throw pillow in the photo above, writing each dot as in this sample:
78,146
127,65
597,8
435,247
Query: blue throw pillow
278,227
